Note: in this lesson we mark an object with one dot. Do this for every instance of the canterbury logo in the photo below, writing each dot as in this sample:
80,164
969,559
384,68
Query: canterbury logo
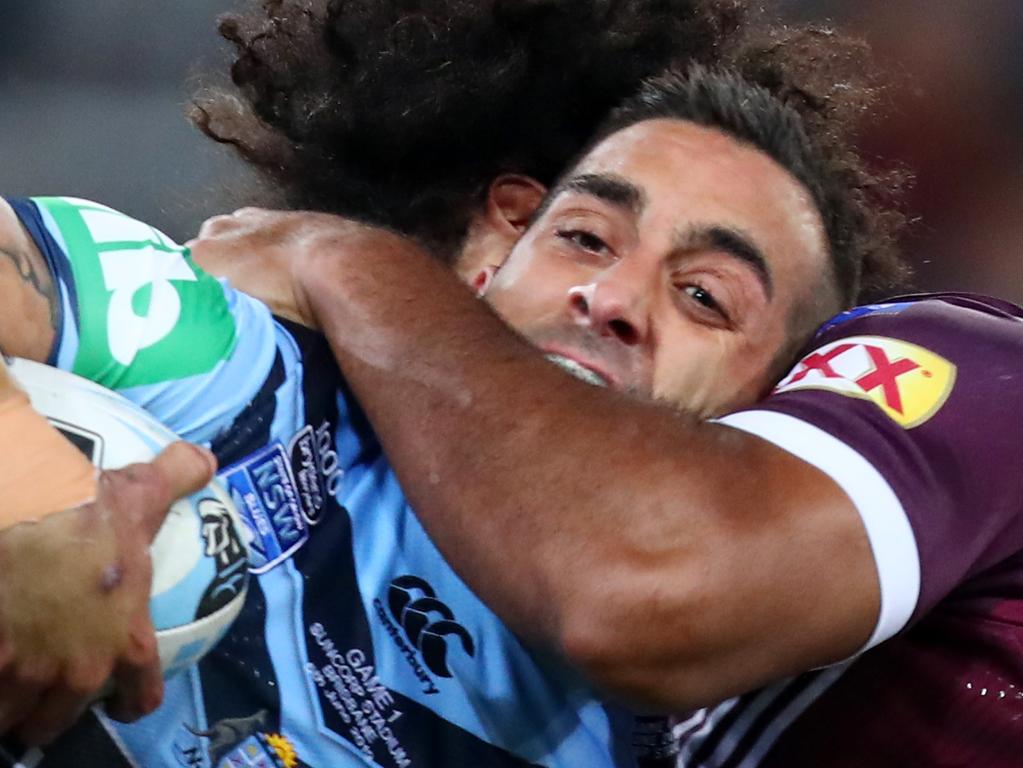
427,622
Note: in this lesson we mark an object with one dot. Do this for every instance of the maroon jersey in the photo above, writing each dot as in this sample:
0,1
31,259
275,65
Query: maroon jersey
915,409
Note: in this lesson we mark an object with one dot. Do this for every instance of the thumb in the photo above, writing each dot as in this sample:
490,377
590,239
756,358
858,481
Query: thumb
144,492
187,468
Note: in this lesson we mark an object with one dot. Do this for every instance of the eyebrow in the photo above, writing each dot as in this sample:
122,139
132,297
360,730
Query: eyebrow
608,187
735,243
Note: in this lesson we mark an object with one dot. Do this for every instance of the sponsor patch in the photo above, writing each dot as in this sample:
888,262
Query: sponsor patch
909,383
315,466
426,622
264,491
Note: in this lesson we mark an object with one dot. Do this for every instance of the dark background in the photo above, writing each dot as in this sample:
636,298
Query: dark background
93,93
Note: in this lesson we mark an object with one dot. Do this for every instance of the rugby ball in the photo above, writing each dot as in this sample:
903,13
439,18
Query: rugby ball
200,560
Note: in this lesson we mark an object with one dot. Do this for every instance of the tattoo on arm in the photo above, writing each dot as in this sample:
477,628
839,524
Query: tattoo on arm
29,300
41,283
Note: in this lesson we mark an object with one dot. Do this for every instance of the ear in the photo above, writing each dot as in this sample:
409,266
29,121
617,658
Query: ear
512,199
481,281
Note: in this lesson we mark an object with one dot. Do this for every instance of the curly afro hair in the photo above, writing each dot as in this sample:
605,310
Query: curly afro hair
401,112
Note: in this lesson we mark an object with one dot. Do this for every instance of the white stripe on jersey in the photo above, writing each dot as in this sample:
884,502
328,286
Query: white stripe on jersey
884,519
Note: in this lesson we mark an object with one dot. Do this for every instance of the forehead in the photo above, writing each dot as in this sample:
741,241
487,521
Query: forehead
689,174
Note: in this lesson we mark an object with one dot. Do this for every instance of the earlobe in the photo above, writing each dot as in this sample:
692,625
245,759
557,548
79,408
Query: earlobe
482,280
512,199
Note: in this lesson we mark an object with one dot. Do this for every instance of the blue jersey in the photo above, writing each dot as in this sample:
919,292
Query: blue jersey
358,643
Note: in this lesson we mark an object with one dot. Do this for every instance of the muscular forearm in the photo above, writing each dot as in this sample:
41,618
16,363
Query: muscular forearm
676,562
618,531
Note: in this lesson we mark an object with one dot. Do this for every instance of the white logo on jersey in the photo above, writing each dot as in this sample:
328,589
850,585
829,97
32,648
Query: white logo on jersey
124,273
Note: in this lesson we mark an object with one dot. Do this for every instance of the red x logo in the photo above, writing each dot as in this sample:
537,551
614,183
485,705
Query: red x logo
886,375
821,363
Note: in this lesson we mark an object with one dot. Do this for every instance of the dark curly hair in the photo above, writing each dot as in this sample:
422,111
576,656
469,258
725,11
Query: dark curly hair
401,112
721,99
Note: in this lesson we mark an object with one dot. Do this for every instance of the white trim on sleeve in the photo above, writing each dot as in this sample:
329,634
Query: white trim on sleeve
888,529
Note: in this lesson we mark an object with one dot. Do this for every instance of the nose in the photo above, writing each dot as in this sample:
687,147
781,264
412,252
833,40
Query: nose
613,305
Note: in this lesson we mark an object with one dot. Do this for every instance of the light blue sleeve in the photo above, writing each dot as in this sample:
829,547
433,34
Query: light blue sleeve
140,317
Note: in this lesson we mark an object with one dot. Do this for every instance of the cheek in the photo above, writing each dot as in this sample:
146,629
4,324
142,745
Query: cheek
532,287
527,301
710,374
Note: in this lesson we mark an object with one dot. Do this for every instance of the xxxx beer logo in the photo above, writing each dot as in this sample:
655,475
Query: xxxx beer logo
909,383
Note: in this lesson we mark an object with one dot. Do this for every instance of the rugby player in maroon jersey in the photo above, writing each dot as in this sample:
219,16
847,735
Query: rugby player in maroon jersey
831,574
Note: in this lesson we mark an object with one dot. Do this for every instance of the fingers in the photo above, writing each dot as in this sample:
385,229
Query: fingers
59,707
146,491
139,692
23,687
137,678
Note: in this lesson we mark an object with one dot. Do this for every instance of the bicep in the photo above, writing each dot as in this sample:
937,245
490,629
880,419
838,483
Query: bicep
30,306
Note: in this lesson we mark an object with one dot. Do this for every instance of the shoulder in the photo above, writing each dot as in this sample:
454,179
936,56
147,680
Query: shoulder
942,320
914,409
144,311
911,356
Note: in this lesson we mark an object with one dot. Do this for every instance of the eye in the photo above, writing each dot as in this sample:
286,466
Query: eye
704,298
585,240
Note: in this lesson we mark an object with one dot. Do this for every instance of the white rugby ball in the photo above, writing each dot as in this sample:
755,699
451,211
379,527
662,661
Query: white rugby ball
200,560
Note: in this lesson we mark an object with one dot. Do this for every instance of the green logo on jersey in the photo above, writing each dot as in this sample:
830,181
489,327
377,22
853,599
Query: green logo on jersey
146,313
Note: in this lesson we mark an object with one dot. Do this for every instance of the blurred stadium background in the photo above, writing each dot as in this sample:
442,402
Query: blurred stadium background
93,94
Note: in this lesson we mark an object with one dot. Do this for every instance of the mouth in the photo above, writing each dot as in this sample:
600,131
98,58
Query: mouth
580,371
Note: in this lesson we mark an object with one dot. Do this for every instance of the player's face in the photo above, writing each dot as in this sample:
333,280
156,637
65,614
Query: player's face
669,263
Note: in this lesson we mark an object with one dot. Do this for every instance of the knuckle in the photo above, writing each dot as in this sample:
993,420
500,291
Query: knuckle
148,483
142,649
214,226
85,679
112,482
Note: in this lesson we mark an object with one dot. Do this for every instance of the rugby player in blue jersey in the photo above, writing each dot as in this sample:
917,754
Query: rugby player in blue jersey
349,647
